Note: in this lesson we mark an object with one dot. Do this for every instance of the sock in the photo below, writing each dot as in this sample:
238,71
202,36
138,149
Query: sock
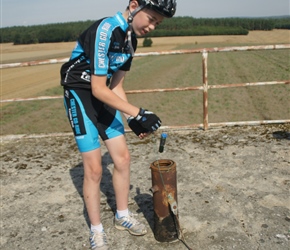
98,228
122,213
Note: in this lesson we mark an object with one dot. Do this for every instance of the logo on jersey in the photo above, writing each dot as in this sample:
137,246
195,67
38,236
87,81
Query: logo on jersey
116,46
85,76
117,58
66,93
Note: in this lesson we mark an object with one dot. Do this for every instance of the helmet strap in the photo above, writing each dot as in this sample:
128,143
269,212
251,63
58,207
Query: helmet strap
130,28
132,14
129,39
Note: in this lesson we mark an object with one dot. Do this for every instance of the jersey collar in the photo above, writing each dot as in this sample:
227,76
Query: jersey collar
122,21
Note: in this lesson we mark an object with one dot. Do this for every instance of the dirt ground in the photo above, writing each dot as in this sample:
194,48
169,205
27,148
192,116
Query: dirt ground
233,190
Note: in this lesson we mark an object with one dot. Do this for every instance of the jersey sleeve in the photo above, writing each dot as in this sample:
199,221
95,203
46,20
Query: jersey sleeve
104,44
95,42
127,65
99,56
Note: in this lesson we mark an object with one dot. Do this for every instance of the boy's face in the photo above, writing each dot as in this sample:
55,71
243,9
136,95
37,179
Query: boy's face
145,21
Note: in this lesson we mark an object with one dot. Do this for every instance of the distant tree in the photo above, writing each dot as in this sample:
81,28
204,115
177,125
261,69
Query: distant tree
17,39
176,26
147,42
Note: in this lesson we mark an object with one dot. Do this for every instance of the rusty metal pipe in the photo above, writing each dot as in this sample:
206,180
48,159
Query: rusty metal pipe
164,189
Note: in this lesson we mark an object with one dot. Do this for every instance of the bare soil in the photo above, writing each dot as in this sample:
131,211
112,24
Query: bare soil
232,184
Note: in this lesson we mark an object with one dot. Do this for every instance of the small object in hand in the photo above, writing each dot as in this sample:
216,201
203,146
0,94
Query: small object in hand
162,142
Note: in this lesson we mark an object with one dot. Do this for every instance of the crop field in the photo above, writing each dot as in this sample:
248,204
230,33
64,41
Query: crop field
174,108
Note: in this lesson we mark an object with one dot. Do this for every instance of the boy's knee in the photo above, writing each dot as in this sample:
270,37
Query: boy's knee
93,176
127,159
123,161
93,172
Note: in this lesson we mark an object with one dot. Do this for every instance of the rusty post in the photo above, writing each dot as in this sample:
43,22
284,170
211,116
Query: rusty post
164,189
205,89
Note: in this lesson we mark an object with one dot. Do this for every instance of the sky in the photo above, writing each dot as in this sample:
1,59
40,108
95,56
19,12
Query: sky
34,12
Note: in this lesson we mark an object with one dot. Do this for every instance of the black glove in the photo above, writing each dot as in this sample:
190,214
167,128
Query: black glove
135,126
148,120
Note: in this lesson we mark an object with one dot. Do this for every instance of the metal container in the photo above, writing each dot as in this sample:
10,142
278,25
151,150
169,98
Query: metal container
164,189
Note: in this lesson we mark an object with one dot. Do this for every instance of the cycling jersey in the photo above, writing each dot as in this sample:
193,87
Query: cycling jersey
100,50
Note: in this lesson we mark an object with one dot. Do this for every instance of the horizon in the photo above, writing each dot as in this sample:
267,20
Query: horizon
35,12
250,17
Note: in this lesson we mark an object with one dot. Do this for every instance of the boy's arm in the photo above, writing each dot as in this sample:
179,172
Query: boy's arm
118,89
117,86
114,97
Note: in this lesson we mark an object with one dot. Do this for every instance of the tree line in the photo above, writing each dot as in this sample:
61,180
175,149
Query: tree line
176,26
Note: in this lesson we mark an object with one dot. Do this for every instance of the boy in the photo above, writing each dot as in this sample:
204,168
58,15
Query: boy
94,97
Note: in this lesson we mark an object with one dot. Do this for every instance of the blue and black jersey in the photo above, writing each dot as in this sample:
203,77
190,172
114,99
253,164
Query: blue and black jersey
101,50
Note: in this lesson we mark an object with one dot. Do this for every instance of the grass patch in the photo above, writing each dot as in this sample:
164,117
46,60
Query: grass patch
174,108
33,117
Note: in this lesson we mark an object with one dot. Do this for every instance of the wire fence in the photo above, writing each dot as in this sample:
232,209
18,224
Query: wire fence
205,87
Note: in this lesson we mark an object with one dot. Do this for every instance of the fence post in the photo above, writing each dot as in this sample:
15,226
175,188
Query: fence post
205,89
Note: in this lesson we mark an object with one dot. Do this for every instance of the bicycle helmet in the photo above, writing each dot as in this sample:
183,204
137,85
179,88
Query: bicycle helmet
166,8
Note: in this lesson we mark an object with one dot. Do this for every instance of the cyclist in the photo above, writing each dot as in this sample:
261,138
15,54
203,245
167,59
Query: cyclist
94,99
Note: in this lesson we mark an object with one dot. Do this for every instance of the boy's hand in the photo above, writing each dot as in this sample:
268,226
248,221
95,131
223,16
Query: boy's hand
136,127
148,120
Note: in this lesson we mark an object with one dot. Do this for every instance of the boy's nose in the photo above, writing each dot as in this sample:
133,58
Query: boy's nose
151,27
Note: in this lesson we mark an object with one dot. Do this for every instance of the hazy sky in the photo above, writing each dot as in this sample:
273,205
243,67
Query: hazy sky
32,12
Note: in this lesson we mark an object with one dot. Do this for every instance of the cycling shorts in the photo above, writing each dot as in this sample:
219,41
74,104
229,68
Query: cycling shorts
90,119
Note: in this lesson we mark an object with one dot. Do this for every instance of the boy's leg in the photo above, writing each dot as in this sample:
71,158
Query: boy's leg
119,152
121,181
91,192
91,185
82,116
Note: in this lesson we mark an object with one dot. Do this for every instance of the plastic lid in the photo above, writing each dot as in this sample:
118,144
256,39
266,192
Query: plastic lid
164,135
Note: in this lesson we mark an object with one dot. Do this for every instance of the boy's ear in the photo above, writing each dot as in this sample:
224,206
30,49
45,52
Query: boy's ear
133,5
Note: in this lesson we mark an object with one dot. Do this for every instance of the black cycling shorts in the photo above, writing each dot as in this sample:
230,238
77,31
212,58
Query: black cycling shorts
91,119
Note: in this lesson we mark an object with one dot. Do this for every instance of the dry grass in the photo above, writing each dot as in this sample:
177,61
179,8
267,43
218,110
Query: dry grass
19,53
29,81
165,71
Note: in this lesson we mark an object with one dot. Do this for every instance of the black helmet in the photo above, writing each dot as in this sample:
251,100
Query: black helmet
165,8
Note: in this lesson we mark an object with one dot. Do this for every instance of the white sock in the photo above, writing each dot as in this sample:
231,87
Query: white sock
122,213
98,228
